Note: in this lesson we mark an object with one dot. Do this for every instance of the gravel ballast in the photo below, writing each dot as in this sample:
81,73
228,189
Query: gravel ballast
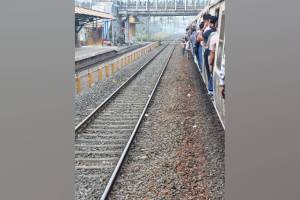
178,151
92,97
98,147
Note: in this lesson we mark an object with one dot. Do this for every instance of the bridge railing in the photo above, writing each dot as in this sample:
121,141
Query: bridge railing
162,4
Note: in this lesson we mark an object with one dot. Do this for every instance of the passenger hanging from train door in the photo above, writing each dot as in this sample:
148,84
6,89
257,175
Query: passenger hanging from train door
206,36
206,18
204,28
199,40
183,43
222,77
212,45
188,43
193,40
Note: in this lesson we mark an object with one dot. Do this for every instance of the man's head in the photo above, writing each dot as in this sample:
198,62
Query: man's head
193,28
206,17
213,21
201,25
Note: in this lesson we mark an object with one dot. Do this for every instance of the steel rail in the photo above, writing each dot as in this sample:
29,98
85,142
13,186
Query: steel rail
124,153
91,116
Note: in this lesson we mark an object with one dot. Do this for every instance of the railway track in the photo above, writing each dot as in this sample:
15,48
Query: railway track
86,103
104,137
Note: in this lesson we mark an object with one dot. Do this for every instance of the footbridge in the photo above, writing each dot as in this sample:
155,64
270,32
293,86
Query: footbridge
160,7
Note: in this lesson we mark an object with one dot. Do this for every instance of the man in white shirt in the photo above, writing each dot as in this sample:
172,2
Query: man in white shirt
212,45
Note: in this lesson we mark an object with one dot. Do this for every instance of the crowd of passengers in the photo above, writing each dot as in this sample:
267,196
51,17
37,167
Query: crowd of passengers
202,42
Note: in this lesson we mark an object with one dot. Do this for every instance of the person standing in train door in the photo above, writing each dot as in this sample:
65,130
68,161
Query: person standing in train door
212,45
206,18
183,43
193,40
199,40
222,75
203,29
206,34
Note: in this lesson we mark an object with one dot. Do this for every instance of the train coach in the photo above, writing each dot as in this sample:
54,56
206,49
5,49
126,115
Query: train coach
216,8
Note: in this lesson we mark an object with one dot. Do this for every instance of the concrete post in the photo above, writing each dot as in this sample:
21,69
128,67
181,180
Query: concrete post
90,79
184,4
77,42
78,84
100,73
148,32
175,3
107,70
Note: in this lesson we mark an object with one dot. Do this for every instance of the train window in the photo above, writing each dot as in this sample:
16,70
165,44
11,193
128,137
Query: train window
221,42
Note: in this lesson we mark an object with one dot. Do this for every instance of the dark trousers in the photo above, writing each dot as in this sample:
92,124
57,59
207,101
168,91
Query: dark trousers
209,74
196,51
200,57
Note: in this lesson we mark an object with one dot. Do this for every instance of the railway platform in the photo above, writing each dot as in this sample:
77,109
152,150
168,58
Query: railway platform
107,68
94,50
87,56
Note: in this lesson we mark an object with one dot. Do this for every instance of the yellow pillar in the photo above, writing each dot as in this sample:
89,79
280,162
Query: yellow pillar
100,73
107,70
117,65
90,79
113,68
78,84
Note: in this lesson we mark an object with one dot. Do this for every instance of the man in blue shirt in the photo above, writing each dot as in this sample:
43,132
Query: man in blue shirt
199,46
193,39
212,28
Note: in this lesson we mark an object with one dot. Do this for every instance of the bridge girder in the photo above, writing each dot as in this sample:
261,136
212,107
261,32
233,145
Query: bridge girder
159,12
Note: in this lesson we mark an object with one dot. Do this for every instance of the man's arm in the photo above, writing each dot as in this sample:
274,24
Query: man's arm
199,37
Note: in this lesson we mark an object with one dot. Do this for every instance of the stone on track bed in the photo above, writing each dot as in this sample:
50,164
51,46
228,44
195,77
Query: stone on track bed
178,151
102,134
91,98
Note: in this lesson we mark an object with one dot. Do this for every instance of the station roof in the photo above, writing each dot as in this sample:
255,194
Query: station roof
88,13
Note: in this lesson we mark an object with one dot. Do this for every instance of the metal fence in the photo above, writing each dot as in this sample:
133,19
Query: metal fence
161,4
